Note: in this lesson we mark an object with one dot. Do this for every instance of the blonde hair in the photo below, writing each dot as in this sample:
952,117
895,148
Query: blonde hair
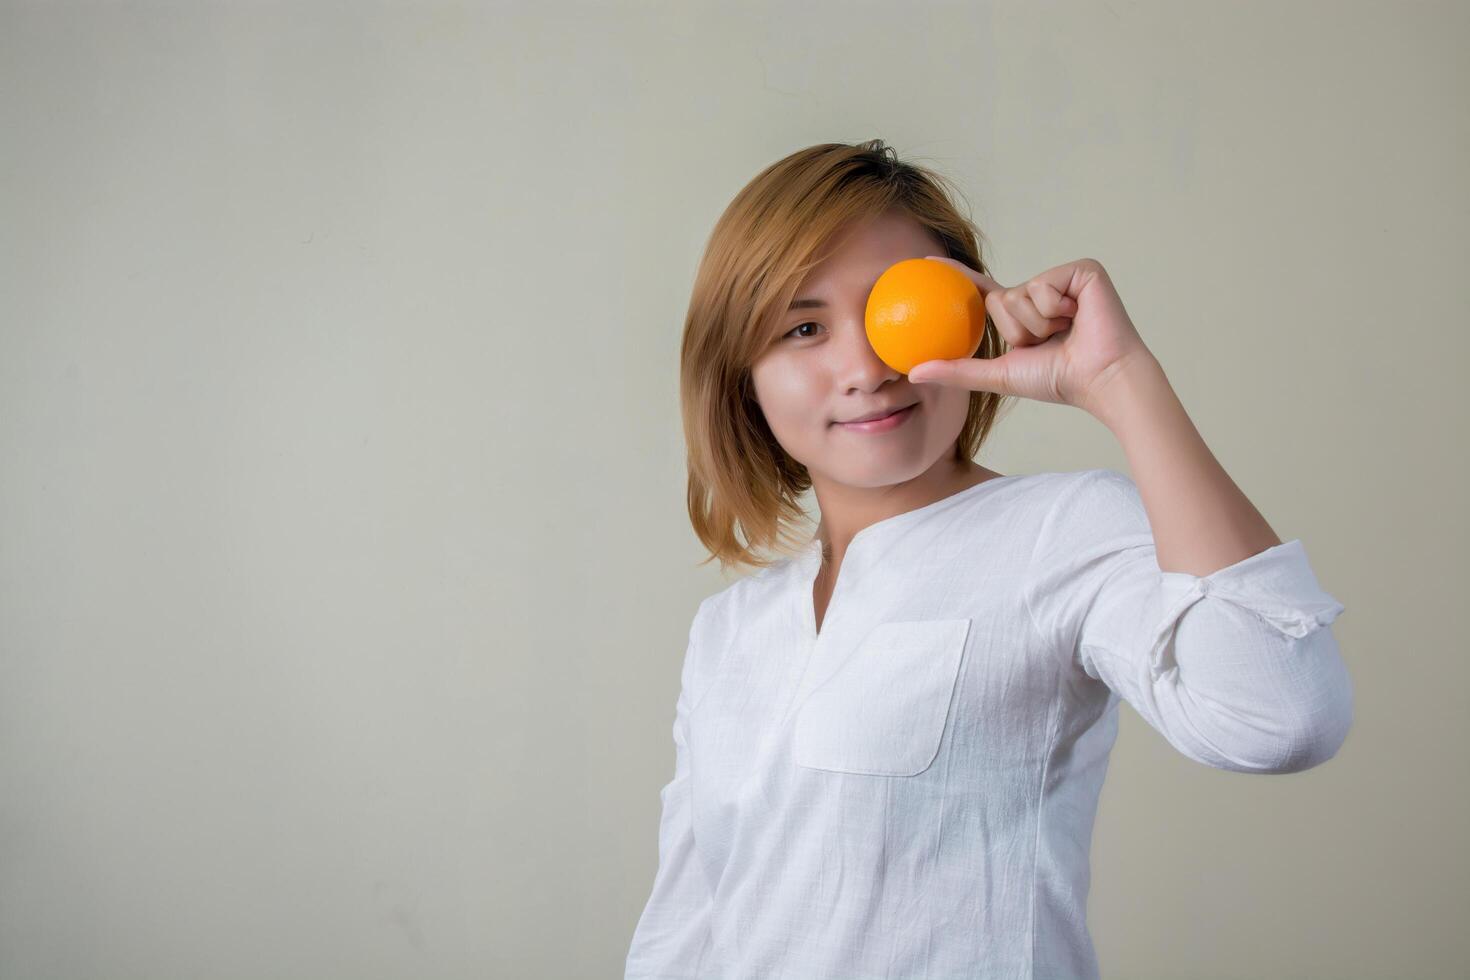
760,250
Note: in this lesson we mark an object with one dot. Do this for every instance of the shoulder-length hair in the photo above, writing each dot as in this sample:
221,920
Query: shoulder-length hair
762,246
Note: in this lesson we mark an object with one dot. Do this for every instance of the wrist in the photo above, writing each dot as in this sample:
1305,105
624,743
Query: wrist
1135,387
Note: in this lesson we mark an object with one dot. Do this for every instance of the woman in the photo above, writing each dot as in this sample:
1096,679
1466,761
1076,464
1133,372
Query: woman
889,741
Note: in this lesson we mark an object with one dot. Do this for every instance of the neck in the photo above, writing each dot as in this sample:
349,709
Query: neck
847,510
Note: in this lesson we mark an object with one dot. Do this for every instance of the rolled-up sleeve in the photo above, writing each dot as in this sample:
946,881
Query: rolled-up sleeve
1238,669
672,937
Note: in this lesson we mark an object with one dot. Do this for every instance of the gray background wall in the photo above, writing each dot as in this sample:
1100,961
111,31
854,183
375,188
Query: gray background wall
344,571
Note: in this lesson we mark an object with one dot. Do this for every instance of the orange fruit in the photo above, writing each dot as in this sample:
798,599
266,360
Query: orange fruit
923,310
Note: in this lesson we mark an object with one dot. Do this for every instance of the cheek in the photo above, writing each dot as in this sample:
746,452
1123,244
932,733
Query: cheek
790,398
952,402
795,408
947,410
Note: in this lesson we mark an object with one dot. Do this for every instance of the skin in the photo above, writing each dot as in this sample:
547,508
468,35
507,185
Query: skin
823,370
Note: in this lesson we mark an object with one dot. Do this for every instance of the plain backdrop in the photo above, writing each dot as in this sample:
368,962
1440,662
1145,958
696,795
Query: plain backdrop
345,573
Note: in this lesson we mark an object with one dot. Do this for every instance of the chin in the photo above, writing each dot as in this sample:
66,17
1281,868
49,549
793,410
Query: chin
880,470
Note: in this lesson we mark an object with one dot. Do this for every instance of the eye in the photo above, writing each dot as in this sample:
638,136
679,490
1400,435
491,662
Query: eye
809,323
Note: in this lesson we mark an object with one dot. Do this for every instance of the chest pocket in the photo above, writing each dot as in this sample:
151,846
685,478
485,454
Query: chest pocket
883,712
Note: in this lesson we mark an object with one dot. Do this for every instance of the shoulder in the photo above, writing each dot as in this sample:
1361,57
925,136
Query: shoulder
743,604
1096,492
1049,486
1087,512
1102,495
1096,482
1031,503
745,597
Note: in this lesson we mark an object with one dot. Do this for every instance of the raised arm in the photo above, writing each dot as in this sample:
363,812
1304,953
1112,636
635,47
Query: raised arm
1250,678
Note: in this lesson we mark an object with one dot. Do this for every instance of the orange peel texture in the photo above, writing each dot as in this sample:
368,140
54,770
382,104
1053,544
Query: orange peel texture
923,310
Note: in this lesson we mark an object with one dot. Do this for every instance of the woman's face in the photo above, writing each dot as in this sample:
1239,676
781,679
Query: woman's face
821,371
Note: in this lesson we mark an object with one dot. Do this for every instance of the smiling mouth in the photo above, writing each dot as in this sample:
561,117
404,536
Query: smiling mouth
894,416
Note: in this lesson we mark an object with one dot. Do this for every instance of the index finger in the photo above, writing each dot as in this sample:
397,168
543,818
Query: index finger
986,284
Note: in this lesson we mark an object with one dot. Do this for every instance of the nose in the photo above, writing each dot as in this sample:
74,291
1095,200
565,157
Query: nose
858,366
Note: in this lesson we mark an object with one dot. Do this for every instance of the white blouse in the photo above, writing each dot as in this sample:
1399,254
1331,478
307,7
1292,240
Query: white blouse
911,792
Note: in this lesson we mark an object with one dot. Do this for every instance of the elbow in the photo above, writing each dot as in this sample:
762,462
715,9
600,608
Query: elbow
1283,704
1294,738
1312,747
1294,748
1319,735
1320,725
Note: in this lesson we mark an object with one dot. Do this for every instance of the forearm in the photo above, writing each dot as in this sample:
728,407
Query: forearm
1201,520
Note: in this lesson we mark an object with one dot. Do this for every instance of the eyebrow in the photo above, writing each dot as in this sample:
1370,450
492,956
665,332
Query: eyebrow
806,304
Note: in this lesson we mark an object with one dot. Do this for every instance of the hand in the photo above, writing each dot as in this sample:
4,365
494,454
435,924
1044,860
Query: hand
1068,332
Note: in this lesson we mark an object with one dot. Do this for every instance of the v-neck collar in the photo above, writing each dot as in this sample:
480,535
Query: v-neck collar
809,561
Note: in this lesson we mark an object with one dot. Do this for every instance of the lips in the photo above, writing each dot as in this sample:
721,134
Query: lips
884,423
883,414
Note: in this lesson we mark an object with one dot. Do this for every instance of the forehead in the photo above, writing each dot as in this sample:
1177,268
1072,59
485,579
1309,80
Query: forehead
861,253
